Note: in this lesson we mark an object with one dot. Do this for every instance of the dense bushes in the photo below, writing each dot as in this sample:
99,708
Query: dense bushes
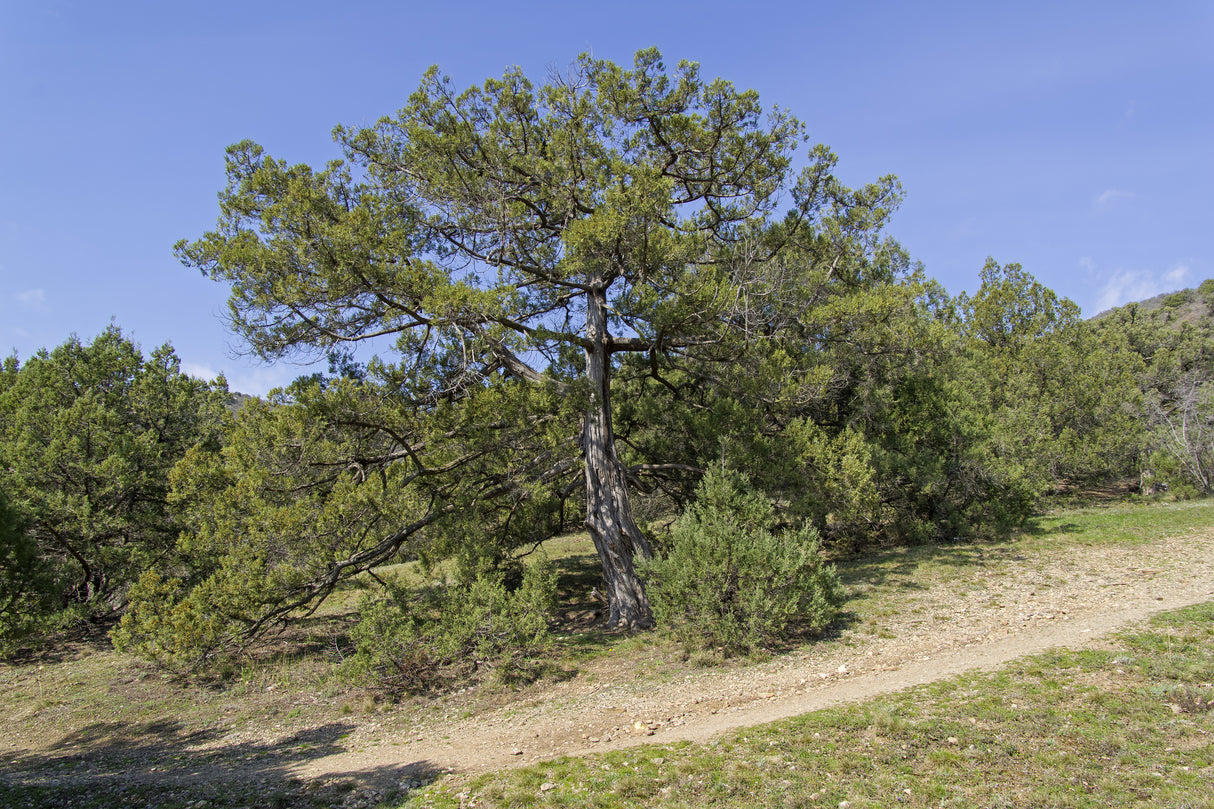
729,580
454,632
24,595
88,435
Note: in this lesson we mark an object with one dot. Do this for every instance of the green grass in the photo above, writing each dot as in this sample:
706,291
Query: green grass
1123,523
1130,725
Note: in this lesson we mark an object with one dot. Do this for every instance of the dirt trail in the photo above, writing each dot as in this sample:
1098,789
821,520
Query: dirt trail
1023,606
974,608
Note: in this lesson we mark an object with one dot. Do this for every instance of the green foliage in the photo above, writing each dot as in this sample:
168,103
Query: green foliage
729,580
1011,308
874,415
168,625
327,481
403,645
840,481
1206,292
552,235
24,595
1060,397
1178,299
88,434
1173,410
1182,418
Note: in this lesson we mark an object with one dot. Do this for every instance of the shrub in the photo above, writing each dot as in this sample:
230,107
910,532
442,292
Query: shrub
453,633
729,581
173,627
88,434
24,598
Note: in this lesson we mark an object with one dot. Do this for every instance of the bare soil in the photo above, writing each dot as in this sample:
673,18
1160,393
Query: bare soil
977,611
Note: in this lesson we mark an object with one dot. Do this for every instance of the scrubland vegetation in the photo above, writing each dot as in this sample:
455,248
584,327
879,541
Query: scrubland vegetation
630,302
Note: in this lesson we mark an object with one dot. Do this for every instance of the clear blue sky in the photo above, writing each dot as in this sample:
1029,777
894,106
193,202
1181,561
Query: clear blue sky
1076,138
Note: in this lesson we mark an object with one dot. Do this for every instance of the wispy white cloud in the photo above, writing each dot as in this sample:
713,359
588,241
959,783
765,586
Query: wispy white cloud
1177,276
1136,285
259,381
255,380
1125,286
1112,196
32,298
198,371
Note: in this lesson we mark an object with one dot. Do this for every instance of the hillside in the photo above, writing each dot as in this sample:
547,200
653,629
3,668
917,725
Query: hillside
1185,306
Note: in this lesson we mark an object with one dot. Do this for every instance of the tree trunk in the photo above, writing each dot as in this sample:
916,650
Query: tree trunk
608,508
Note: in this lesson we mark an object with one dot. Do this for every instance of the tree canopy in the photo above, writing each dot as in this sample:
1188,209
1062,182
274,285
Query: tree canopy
586,294
88,435
510,234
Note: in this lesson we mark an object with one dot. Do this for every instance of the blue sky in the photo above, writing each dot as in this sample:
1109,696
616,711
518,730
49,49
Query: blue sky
1076,138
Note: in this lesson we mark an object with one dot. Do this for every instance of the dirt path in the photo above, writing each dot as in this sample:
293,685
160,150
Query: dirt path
978,620
917,616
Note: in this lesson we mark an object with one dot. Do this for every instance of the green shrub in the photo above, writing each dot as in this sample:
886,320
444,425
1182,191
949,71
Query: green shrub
453,633
729,581
1206,292
88,434
171,626
1178,299
24,587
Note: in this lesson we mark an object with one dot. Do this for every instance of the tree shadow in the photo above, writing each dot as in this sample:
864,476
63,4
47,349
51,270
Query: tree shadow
62,646
1034,528
899,568
162,764
579,578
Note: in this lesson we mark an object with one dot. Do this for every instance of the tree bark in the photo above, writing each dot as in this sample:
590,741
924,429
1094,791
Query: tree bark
609,519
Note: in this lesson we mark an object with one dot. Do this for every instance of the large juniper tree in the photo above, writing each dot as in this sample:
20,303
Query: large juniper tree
536,233
88,434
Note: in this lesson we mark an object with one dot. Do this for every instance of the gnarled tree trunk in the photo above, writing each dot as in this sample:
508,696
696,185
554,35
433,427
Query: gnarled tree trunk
608,508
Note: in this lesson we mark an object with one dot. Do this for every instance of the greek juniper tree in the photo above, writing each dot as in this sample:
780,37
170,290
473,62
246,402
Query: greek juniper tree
539,234
88,435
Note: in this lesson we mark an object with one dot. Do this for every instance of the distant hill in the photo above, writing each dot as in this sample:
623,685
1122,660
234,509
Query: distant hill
237,400
1186,306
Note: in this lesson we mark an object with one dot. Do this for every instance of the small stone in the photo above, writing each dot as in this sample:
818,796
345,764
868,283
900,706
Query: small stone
547,786
516,752
952,740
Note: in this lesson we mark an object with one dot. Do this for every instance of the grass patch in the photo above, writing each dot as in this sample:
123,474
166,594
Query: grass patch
1129,725
1122,523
